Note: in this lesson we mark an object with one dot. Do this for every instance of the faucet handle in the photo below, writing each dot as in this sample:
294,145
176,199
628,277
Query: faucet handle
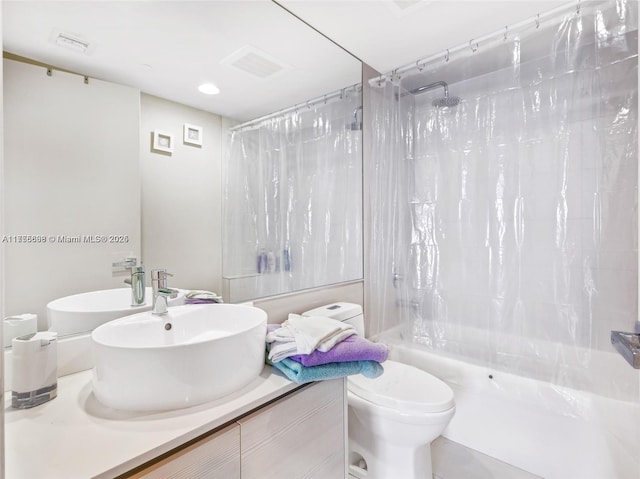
159,279
159,274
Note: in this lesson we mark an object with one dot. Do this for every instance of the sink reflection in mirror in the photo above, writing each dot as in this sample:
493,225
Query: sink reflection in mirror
84,312
192,354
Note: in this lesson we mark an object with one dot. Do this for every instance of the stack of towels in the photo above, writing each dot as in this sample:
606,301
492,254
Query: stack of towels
308,348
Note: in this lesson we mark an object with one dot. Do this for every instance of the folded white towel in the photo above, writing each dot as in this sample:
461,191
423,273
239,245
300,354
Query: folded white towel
305,334
279,351
201,294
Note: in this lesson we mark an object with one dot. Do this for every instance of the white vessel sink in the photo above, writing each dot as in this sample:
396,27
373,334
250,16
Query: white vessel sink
193,354
86,311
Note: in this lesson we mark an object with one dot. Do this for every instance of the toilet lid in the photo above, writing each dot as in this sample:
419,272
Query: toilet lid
404,388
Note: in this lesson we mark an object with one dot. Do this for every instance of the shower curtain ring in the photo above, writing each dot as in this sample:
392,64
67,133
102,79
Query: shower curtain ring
473,46
446,57
506,29
418,66
538,20
578,8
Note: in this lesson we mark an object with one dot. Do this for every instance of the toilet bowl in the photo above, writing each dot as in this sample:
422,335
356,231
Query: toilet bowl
393,419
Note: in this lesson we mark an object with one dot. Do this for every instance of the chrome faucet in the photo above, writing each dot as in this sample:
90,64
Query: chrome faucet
160,301
628,345
161,293
136,280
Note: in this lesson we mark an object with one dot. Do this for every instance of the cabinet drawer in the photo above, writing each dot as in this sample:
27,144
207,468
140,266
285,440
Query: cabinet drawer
214,457
299,436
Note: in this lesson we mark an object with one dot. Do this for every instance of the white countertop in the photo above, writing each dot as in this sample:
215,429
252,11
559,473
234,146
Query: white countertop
74,436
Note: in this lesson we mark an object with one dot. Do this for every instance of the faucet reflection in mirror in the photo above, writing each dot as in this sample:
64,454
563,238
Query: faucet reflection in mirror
136,280
293,199
137,285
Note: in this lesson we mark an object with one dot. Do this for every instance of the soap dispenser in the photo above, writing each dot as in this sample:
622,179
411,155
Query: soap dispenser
35,369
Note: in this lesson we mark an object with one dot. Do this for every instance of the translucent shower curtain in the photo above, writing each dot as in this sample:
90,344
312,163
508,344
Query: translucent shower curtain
505,228
293,198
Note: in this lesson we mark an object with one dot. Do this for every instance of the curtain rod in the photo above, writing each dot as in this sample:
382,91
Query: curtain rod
474,43
307,104
49,68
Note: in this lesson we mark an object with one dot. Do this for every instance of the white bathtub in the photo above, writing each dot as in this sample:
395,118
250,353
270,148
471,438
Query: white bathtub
551,431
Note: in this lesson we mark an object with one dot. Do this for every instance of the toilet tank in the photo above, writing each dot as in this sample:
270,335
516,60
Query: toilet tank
349,313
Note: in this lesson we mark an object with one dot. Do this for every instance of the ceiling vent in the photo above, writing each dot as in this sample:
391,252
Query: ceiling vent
71,42
250,59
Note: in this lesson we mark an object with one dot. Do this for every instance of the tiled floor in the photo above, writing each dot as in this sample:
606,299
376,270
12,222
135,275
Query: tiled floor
454,461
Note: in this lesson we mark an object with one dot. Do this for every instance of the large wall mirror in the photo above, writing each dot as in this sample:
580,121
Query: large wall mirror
112,153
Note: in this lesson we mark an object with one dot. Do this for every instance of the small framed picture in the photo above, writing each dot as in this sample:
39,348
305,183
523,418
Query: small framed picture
192,135
162,141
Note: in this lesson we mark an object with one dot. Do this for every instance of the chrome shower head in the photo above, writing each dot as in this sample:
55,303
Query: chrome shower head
356,124
446,101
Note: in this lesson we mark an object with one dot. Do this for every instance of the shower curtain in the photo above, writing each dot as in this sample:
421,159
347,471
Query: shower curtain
293,198
505,228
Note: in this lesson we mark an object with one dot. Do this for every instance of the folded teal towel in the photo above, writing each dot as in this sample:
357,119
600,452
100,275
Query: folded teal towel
300,374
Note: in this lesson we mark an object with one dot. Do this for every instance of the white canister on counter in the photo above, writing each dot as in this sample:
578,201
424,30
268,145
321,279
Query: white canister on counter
35,369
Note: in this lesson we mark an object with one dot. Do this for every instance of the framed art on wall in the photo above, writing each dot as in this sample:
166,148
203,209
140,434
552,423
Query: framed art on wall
192,135
162,141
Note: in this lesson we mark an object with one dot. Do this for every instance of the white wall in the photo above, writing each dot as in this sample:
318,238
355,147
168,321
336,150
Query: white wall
182,196
71,168
2,230
380,309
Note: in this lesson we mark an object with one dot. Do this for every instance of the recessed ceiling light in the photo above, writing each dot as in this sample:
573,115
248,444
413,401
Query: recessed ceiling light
208,89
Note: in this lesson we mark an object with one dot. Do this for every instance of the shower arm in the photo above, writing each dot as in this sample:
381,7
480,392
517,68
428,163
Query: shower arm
431,86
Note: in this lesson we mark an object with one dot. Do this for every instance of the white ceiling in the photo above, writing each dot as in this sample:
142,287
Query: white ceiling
167,48
388,34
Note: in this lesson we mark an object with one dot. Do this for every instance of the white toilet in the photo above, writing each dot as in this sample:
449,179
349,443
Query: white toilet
394,418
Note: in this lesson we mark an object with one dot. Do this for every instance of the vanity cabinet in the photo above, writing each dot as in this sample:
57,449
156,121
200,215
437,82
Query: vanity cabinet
216,456
301,435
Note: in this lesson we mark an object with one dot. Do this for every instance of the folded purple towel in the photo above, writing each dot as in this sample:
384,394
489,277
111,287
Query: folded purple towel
200,301
353,348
